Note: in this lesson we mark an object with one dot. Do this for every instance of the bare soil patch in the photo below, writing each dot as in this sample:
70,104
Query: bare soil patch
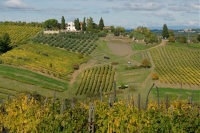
120,49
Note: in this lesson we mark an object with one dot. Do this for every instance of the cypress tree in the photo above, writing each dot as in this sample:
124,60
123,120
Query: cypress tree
63,23
165,32
77,24
101,24
84,25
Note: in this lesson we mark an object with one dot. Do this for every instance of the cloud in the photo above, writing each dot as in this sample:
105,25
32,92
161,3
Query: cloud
106,11
185,7
16,4
164,16
139,7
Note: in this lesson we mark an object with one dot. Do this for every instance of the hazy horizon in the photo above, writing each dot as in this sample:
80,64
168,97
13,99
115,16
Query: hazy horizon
127,13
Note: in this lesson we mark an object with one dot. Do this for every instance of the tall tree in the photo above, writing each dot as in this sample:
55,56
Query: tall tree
84,25
51,23
89,24
77,24
165,32
63,23
119,30
4,43
101,24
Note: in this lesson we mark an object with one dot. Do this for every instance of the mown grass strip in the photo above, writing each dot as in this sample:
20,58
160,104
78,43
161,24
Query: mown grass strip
29,77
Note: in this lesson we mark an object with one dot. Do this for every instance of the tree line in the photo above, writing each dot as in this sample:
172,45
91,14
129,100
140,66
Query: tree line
21,23
169,34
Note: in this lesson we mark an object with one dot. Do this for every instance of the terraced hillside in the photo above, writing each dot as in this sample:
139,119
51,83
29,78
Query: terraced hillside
43,58
19,33
176,65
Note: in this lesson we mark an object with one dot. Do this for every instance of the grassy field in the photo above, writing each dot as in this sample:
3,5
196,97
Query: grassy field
185,45
43,58
141,46
175,93
16,80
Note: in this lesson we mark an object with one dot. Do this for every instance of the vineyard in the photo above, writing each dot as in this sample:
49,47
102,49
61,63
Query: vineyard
53,115
95,79
43,58
19,33
75,42
177,66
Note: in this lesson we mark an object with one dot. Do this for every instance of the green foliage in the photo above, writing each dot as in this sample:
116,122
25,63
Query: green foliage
198,37
171,33
57,116
84,25
182,39
4,43
62,22
77,24
51,24
143,33
112,28
171,39
145,63
76,66
165,32
89,24
119,30
101,34
101,24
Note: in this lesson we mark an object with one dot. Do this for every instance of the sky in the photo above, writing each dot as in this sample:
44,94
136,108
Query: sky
126,13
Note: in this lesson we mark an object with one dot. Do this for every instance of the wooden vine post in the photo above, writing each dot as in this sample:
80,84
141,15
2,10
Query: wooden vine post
148,96
114,85
91,119
158,97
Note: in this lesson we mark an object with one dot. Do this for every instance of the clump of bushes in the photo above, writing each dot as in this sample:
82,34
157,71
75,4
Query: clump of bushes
171,39
114,63
145,63
154,76
80,55
131,67
76,66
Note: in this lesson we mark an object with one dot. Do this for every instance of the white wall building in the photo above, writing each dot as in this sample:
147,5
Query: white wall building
70,26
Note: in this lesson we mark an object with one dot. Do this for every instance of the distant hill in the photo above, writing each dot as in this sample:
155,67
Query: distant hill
174,27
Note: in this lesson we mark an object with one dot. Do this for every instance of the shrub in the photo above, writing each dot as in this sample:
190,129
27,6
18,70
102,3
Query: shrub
182,39
1,61
154,76
76,66
114,63
171,39
145,63
198,37
80,55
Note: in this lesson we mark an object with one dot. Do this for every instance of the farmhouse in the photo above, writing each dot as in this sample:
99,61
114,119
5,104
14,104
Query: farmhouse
70,26
107,28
